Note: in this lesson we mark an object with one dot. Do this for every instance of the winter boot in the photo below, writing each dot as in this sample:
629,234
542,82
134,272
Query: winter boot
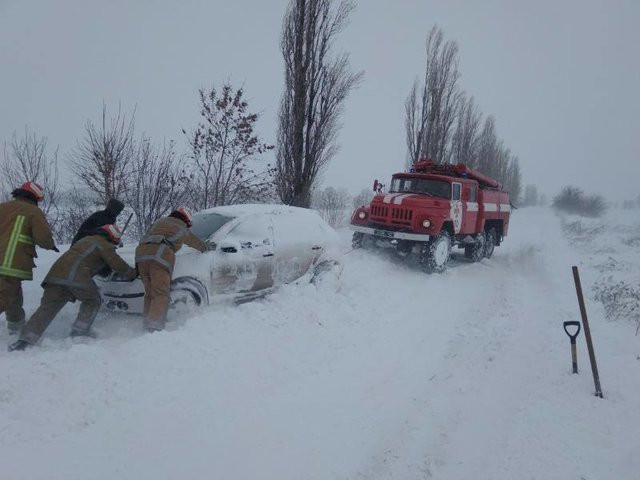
83,333
15,327
19,345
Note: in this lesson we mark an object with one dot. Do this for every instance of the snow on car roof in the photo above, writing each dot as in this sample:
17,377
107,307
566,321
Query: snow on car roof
253,208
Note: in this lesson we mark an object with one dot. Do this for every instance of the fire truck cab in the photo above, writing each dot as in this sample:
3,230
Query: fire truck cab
432,208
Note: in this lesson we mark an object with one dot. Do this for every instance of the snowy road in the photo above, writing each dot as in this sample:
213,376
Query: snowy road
397,375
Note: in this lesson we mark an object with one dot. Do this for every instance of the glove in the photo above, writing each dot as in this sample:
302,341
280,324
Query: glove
104,272
211,246
133,274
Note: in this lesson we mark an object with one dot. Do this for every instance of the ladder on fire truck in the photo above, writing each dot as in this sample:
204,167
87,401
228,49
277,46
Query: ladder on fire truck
459,170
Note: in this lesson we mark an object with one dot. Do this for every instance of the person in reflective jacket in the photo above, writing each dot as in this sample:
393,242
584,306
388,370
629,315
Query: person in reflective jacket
22,227
155,258
108,216
71,279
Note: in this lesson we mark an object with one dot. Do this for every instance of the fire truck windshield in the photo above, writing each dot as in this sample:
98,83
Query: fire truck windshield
422,186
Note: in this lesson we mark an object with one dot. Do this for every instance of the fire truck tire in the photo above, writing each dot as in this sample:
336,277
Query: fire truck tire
361,240
435,254
490,243
476,251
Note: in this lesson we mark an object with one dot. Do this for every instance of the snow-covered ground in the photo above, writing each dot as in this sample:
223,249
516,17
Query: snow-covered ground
465,375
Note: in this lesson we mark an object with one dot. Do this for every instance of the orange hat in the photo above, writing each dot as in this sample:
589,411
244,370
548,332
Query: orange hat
34,189
185,215
114,233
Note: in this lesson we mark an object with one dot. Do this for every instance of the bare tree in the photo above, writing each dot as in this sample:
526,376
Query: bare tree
102,160
75,206
225,151
363,198
542,200
487,145
27,159
431,107
466,137
530,198
513,178
573,200
158,183
332,205
316,87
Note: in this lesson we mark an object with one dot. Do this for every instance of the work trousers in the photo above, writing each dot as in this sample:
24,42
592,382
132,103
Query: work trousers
157,288
54,298
11,302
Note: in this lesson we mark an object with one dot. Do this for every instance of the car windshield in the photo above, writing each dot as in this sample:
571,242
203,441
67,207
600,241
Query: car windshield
206,224
424,186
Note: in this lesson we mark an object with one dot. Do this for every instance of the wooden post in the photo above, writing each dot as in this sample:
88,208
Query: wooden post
587,332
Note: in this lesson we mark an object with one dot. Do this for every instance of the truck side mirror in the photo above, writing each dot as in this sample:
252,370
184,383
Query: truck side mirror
375,185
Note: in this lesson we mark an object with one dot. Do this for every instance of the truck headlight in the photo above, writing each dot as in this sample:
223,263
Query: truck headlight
362,215
426,223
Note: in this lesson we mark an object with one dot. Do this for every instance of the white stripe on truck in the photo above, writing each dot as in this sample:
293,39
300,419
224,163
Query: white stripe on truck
398,200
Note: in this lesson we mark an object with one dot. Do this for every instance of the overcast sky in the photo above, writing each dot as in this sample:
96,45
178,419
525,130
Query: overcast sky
561,77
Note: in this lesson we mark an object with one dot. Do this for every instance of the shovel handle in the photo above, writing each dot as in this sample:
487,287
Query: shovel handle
572,323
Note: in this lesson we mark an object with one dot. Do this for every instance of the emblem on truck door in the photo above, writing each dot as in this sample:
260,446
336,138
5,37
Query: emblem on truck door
456,215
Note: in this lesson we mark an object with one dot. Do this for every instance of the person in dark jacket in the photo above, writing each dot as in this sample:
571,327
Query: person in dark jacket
99,219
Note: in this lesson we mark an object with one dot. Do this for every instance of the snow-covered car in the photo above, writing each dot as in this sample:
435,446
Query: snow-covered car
254,249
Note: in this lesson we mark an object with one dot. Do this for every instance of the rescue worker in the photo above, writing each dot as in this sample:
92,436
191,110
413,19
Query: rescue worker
155,258
108,216
22,227
71,279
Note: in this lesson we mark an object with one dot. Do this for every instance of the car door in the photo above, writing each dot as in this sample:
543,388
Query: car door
245,256
470,207
298,244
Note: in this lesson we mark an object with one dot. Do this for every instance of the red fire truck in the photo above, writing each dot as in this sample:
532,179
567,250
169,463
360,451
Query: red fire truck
432,208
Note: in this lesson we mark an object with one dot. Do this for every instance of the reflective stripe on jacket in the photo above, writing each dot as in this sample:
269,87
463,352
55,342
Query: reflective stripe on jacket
165,237
77,266
22,227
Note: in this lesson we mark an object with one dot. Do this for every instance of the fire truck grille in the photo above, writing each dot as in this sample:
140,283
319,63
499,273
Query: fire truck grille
401,215
379,211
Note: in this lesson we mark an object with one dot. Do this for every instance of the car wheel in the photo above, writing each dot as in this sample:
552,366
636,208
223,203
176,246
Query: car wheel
187,293
184,299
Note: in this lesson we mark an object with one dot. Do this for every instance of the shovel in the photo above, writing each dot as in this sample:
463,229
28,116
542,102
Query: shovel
568,328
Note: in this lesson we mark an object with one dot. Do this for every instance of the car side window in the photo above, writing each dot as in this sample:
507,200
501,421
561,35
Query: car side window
296,229
455,195
255,230
473,194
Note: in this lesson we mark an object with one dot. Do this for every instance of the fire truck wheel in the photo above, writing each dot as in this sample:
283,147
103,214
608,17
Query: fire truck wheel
476,251
435,254
361,240
490,243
